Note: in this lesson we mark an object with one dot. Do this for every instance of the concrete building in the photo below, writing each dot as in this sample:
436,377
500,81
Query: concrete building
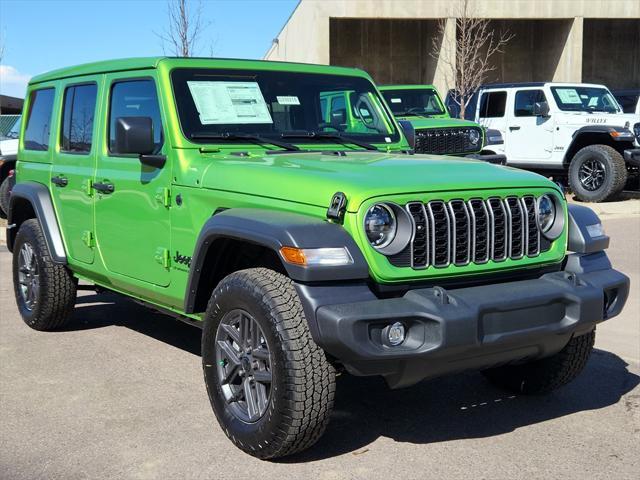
561,40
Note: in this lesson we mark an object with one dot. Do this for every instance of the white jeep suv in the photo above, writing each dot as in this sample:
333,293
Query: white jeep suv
574,132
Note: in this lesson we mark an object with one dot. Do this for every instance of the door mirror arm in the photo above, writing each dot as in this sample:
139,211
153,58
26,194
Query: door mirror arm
155,161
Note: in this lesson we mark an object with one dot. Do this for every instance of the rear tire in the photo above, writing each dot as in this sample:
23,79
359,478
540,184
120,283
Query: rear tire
292,406
543,376
45,291
5,192
597,173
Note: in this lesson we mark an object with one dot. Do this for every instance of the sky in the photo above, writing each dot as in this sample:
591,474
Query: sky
43,35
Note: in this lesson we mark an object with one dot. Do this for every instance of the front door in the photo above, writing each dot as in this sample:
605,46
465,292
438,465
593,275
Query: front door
132,220
73,167
530,137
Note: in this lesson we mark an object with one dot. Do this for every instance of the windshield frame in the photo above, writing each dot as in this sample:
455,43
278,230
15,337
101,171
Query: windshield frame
403,90
563,106
230,74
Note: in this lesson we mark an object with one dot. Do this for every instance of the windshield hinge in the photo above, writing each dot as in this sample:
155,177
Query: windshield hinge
337,207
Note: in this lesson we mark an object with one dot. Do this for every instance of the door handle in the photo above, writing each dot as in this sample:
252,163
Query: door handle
103,187
60,181
514,127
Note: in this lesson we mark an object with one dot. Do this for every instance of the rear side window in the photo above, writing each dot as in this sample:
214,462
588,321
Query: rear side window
135,98
492,104
525,100
36,135
77,118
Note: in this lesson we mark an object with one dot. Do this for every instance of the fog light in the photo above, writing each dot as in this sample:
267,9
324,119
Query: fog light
395,334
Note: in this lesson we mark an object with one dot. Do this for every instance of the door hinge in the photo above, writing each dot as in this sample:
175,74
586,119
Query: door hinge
88,238
87,187
163,196
163,257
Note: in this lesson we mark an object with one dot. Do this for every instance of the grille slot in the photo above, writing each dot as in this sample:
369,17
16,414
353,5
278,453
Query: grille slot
441,141
476,231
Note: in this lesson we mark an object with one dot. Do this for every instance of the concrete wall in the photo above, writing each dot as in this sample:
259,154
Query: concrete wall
548,45
611,53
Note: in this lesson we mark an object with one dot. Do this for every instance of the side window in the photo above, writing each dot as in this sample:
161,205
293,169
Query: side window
492,104
36,135
525,100
135,98
338,110
77,118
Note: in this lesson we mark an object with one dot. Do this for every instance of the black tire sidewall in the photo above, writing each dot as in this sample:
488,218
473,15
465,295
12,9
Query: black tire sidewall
27,234
609,186
235,296
5,191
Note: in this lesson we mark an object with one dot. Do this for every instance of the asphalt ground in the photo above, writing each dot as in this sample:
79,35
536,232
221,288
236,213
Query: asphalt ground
119,394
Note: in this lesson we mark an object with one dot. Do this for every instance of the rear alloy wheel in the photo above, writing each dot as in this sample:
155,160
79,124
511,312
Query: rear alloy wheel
270,385
597,173
45,291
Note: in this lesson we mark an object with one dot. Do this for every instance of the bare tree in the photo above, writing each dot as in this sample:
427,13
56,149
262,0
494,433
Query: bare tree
186,25
468,62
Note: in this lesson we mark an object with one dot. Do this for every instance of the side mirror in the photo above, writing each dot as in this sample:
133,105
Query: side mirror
541,109
134,135
409,132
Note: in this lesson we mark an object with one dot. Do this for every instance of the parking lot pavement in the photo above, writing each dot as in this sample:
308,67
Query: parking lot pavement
119,394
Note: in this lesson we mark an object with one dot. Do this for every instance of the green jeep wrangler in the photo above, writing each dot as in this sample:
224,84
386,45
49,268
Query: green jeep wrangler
221,192
434,131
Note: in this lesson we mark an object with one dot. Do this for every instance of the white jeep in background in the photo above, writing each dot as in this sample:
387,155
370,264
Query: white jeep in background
574,132
8,151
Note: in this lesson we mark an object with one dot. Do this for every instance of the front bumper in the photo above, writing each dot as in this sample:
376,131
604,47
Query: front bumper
632,156
489,158
477,327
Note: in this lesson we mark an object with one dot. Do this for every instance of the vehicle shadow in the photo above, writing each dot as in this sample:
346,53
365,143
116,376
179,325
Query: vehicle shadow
451,408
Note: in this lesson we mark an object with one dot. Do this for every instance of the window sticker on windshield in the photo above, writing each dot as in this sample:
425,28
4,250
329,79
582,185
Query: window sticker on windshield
569,95
229,102
396,100
288,100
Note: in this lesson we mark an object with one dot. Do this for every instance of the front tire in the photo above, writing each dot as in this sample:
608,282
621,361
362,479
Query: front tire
545,375
45,291
597,173
270,386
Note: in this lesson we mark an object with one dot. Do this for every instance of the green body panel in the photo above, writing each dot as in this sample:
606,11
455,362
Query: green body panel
127,240
443,120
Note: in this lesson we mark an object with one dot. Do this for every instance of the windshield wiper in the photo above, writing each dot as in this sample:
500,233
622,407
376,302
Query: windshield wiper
344,139
243,136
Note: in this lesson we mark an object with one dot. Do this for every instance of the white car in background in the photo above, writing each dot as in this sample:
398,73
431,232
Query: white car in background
573,132
8,151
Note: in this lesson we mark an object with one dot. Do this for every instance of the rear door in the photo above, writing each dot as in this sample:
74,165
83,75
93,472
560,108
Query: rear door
530,136
492,109
74,163
132,220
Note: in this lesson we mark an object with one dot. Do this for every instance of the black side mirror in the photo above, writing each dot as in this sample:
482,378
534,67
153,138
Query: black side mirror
541,109
134,135
409,132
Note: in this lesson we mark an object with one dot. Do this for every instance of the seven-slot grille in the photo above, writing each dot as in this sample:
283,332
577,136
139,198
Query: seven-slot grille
442,141
474,231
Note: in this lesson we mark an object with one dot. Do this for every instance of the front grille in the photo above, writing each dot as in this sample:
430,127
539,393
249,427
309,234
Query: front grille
445,141
476,231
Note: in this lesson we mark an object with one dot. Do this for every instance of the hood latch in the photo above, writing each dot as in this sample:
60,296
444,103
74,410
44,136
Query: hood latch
337,207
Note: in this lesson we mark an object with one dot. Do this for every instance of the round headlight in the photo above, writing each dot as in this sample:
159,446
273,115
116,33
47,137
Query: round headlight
474,136
380,225
546,213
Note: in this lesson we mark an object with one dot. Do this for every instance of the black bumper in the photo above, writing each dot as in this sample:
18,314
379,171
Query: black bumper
477,327
632,156
489,158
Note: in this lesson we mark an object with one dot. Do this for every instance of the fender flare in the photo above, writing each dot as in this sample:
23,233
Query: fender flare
273,230
594,129
39,197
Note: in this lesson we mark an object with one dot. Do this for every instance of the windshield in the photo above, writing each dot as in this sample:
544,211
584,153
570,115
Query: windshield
221,105
414,101
585,99
15,130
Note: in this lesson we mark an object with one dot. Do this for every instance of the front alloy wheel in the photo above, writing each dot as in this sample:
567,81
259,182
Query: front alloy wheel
243,365
592,174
